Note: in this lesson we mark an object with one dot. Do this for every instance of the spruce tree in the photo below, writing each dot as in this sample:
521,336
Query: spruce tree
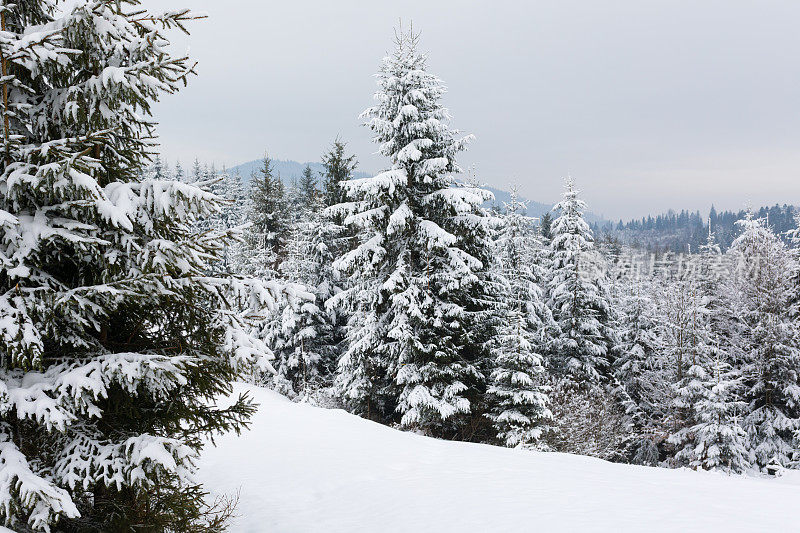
770,350
158,170
338,168
304,336
197,171
546,227
578,297
638,367
794,239
689,348
721,443
517,396
414,271
690,391
270,222
307,186
231,217
179,174
114,344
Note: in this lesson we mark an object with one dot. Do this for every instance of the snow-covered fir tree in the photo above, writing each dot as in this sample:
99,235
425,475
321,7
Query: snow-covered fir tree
268,215
794,239
639,366
303,336
690,391
720,442
179,174
307,187
113,342
414,271
770,348
546,228
197,173
230,217
339,167
517,394
689,347
157,170
578,297
712,271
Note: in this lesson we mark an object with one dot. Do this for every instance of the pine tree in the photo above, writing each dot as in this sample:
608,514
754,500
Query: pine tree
114,345
690,391
338,168
770,349
639,367
546,227
794,239
579,298
712,271
689,349
414,271
197,171
721,443
230,217
270,222
157,170
179,175
518,402
308,189
304,336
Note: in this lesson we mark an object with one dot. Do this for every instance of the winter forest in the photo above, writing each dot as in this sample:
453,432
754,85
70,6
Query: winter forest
134,293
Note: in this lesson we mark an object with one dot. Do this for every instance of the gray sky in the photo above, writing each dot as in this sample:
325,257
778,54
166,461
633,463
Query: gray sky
649,104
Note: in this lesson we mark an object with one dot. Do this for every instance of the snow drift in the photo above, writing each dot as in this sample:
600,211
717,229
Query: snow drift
301,468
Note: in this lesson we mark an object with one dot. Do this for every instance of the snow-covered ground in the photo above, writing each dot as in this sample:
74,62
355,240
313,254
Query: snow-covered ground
303,468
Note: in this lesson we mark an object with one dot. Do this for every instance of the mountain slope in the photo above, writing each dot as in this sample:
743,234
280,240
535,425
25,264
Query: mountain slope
303,468
287,170
290,171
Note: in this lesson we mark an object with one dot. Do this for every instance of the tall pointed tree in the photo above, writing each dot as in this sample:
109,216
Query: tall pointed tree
579,298
414,271
113,342
546,227
197,171
305,342
307,186
339,167
179,174
270,226
720,441
518,402
794,239
770,346
639,365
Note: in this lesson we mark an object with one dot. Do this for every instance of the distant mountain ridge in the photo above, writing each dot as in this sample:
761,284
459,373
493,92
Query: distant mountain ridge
291,171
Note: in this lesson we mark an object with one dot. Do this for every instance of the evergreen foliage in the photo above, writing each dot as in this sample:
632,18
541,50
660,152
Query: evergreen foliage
579,297
415,268
769,351
114,341
517,394
270,225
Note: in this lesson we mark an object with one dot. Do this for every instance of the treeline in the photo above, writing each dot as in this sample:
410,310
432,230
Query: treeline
686,231
437,315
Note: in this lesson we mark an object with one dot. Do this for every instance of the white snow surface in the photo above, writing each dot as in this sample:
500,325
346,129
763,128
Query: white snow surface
307,469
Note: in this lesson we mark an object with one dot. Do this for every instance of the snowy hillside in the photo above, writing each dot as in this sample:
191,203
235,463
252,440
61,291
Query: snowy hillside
302,468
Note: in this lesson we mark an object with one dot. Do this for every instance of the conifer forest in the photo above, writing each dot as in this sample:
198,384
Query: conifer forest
192,347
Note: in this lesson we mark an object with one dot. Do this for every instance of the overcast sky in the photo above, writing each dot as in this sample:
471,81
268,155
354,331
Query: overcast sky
649,104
